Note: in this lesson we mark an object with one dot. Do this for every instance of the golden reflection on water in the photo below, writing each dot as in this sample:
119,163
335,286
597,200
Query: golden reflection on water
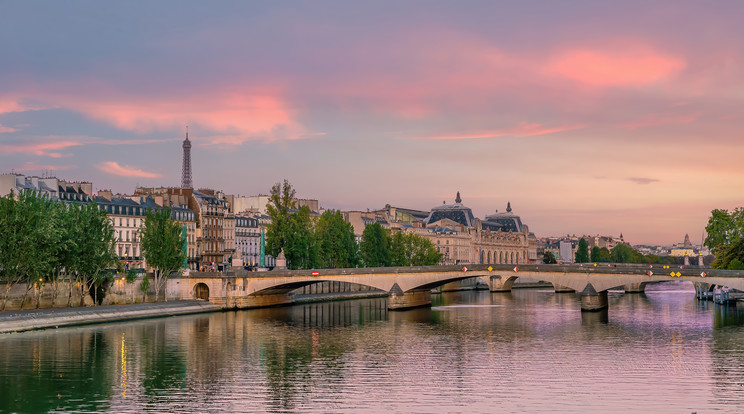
123,365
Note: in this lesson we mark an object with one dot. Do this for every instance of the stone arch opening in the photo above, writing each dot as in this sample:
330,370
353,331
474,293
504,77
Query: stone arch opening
489,257
201,291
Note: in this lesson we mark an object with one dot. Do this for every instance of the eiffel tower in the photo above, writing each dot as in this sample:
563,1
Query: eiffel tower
186,173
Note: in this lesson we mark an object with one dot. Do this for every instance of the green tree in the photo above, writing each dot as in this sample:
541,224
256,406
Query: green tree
300,246
279,209
735,264
375,246
549,258
596,255
727,255
604,255
162,246
622,253
582,252
409,249
27,235
725,234
722,228
95,251
64,247
337,247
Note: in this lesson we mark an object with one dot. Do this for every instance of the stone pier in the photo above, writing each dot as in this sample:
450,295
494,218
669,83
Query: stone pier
635,288
252,301
408,300
591,300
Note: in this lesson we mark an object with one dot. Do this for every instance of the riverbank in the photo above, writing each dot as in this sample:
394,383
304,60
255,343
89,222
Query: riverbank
28,320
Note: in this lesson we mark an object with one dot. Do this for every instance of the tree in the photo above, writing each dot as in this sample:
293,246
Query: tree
300,247
95,250
162,246
279,208
604,255
549,258
375,246
337,247
596,254
622,253
409,249
27,235
727,256
725,234
582,252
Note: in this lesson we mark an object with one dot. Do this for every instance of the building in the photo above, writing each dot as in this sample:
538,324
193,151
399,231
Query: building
460,237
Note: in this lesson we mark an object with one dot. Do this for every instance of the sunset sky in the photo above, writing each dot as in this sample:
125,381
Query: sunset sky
591,117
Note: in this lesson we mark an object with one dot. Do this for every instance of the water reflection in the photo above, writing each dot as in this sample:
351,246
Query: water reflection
523,351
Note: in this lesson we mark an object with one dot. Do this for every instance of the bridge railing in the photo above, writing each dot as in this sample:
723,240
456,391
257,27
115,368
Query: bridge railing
490,269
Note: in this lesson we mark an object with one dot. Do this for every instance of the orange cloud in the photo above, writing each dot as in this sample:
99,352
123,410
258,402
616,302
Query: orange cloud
59,143
4,129
238,116
524,129
113,167
654,120
12,104
629,67
45,149
32,166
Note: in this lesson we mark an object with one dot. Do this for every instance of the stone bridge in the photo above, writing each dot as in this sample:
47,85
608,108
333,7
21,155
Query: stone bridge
411,286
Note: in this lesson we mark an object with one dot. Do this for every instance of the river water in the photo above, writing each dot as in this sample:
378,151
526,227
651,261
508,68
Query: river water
525,351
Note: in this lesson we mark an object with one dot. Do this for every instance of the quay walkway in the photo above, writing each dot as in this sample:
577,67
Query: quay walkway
27,320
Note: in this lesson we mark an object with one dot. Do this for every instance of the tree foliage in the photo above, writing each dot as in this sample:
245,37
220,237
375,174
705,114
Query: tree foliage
409,249
596,255
279,209
26,240
300,248
582,252
549,258
42,240
375,246
162,246
726,237
95,241
337,247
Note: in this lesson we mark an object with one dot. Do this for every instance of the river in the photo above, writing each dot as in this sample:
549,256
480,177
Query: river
525,351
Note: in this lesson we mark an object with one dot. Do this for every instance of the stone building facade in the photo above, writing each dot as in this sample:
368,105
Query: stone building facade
461,238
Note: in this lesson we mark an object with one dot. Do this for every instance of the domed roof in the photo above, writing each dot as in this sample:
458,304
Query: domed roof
456,212
507,221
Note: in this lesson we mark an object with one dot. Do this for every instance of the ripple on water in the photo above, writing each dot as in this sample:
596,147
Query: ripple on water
525,351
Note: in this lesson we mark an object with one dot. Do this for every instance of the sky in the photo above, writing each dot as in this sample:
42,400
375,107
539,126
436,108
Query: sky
590,117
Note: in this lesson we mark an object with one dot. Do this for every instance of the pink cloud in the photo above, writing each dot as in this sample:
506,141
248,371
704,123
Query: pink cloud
655,120
46,149
11,104
240,116
113,167
57,143
616,67
4,129
524,129
32,166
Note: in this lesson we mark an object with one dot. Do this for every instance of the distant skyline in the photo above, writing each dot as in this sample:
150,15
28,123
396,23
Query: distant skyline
599,117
